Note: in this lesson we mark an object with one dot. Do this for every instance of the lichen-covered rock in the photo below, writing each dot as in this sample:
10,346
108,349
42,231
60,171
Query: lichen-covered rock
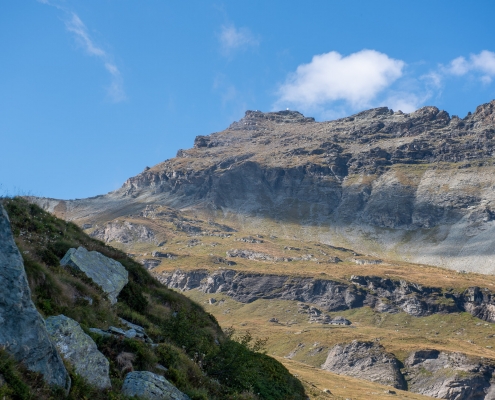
124,232
79,350
365,360
150,386
452,376
107,273
22,329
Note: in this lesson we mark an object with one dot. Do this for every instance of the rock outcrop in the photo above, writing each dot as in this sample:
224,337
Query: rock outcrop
124,232
150,386
382,294
135,331
365,360
107,273
438,374
22,329
79,350
452,376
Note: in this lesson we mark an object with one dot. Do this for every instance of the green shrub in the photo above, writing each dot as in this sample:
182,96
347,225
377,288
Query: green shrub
132,295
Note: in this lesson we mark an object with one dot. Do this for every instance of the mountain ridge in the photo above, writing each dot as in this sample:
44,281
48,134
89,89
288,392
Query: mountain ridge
416,187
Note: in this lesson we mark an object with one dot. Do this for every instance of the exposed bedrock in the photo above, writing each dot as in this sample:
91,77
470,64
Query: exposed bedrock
452,376
438,374
381,294
365,360
22,329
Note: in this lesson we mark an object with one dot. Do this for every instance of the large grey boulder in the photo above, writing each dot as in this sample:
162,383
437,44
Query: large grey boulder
79,350
107,273
150,386
365,360
452,376
22,329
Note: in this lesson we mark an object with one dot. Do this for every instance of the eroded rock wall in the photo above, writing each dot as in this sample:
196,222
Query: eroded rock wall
382,294
22,329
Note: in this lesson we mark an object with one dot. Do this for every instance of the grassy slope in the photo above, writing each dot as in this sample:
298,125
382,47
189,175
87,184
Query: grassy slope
199,255
192,346
399,333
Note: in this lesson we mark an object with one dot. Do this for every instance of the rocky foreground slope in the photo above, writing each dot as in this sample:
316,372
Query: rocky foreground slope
416,187
78,324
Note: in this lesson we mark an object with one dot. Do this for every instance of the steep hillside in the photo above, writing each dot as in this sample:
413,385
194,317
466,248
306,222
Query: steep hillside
178,339
330,239
415,187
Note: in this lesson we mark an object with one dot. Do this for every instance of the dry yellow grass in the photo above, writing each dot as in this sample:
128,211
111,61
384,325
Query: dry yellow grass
295,337
398,333
342,387
199,255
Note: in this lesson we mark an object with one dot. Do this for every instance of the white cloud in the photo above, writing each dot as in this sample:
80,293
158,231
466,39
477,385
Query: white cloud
458,66
232,38
356,79
405,101
485,62
74,25
116,89
433,79
482,63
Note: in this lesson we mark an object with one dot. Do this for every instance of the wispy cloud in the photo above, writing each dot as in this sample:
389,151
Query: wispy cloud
232,38
116,89
355,80
482,64
74,25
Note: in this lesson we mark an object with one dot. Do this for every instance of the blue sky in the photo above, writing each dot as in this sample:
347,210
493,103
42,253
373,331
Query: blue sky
93,91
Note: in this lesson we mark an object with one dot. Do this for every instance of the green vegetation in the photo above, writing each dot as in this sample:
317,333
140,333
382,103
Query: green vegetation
199,358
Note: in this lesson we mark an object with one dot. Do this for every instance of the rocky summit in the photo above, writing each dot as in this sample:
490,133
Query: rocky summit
415,187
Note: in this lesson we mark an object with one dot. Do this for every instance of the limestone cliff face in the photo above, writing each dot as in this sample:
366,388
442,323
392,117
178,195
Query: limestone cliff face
382,294
416,186
22,329
449,375
365,360
438,374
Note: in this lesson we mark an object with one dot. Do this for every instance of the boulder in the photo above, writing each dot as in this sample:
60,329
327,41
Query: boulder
150,386
137,328
365,360
79,350
135,331
124,232
450,376
107,273
339,321
23,333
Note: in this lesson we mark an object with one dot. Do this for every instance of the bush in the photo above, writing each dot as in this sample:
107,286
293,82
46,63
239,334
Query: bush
132,295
